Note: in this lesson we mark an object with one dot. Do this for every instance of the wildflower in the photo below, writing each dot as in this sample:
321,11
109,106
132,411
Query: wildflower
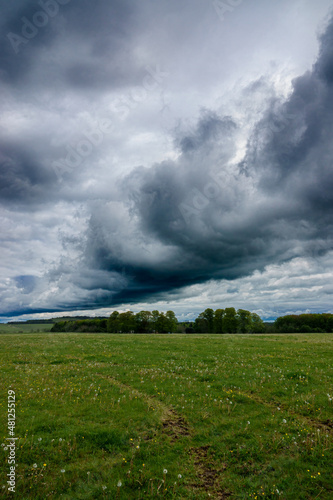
39,439
60,439
165,471
35,466
284,421
179,476
62,470
104,487
138,446
248,422
119,484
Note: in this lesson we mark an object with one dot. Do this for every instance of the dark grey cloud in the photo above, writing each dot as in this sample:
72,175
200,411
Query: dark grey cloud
223,220
25,283
23,178
97,50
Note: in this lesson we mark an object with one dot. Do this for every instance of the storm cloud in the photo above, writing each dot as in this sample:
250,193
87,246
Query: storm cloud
147,157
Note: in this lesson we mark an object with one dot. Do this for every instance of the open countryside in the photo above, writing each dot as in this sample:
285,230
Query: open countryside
169,416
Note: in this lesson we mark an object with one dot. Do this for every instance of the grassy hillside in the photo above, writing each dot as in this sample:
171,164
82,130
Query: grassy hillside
185,417
25,328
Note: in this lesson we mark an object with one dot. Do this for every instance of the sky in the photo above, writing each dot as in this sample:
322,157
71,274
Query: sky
165,155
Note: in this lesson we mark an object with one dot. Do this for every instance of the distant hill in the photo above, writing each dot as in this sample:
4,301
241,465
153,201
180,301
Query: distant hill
54,320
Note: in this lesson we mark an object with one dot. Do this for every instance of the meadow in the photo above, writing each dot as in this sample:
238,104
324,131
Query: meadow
25,328
108,416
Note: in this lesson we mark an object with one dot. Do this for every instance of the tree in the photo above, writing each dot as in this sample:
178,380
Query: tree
230,322
257,324
162,323
126,321
244,320
113,323
208,315
143,321
218,320
201,324
172,321
154,320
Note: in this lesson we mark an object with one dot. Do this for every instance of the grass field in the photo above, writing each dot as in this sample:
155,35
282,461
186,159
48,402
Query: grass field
25,328
169,416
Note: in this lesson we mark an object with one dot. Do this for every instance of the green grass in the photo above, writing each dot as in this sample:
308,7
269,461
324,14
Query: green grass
25,328
236,416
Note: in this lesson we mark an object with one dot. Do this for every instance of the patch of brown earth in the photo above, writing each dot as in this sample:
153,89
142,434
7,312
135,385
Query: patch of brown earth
207,473
175,426
328,423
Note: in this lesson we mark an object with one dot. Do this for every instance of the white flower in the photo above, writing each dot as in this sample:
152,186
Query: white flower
284,421
248,422
62,470
39,439
179,476
60,439
119,484
165,471
104,487
35,466
278,408
88,473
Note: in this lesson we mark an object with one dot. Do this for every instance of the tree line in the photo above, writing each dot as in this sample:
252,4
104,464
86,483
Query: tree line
226,320
220,321
304,323
127,322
